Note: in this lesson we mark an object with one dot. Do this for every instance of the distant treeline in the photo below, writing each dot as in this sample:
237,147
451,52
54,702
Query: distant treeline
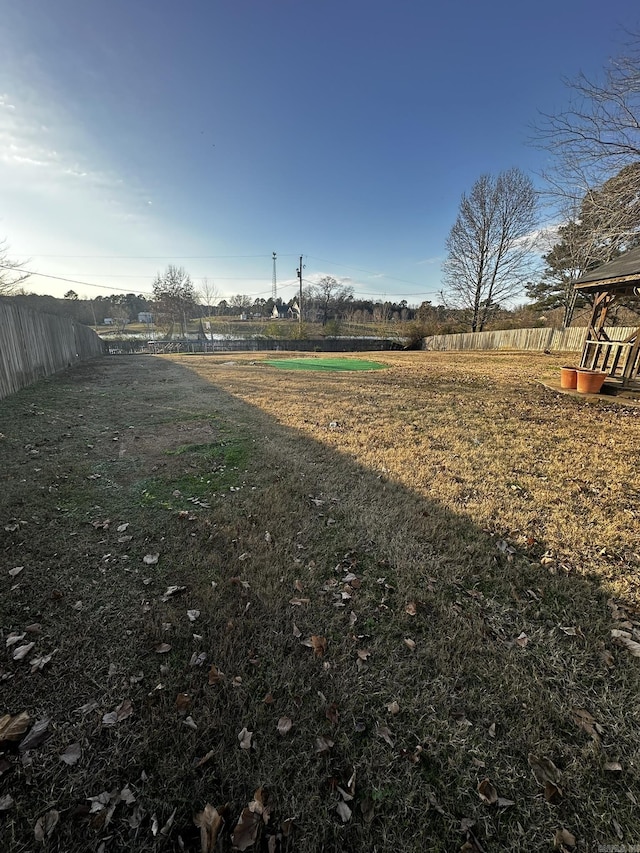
426,318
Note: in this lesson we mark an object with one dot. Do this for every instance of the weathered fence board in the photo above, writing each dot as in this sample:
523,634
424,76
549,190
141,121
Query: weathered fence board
554,340
34,345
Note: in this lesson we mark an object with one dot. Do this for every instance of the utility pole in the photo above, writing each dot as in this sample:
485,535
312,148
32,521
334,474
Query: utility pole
299,272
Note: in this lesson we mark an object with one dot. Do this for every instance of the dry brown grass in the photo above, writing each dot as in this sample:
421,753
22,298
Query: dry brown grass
445,482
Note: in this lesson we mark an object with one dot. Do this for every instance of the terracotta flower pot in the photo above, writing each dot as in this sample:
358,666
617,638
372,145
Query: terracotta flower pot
569,377
590,381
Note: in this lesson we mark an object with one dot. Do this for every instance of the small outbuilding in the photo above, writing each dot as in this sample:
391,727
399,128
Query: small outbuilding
606,285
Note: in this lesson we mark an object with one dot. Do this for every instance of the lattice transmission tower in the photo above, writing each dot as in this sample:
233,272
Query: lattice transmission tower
274,280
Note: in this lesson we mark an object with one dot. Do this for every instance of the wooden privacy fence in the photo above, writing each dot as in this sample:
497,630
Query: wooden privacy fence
554,340
269,344
34,345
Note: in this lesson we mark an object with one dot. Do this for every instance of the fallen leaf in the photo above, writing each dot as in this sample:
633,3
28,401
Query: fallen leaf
522,640
150,559
209,821
363,654
15,637
245,738
607,658
6,803
563,840
613,766
197,658
246,830
297,633
487,792
122,527
215,675
12,728
39,663
623,637
72,754
38,734
352,619
46,824
492,730
284,725
323,744
344,811
183,703
385,734
552,793
22,651
543,769
167,827
162,648
268,699
298,586
193,615
319,645
332,714
585,721
393,707
171,591
121,712
411,608
298,602
410,644
190,723
15,571
127,796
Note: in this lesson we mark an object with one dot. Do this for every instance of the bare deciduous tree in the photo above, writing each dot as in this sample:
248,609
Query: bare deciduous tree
329,297
490,244
207,296
12,273
599,132
175,298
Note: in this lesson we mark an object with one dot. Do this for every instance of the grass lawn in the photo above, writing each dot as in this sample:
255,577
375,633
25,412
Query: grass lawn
364,611
328,364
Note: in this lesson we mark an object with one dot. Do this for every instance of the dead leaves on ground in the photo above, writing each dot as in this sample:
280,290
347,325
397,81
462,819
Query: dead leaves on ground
317,643
210,820
625,639
547,776
489,795
284,726
245,738
45,825
564,841
12,728
253,816
120,713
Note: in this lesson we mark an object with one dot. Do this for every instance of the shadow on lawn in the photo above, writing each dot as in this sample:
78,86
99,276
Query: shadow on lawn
497,670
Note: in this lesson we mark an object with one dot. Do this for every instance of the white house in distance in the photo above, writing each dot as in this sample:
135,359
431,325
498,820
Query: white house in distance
145,317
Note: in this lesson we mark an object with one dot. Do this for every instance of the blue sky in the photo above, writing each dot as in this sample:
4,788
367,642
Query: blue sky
209,133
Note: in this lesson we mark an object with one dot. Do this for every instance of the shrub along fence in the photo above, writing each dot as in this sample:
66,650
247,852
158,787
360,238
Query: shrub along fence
554,340
34,345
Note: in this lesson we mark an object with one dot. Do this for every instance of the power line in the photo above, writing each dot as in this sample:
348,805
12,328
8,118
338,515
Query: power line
158,257
75,281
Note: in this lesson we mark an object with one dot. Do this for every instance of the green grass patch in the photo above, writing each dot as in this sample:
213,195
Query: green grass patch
327,364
